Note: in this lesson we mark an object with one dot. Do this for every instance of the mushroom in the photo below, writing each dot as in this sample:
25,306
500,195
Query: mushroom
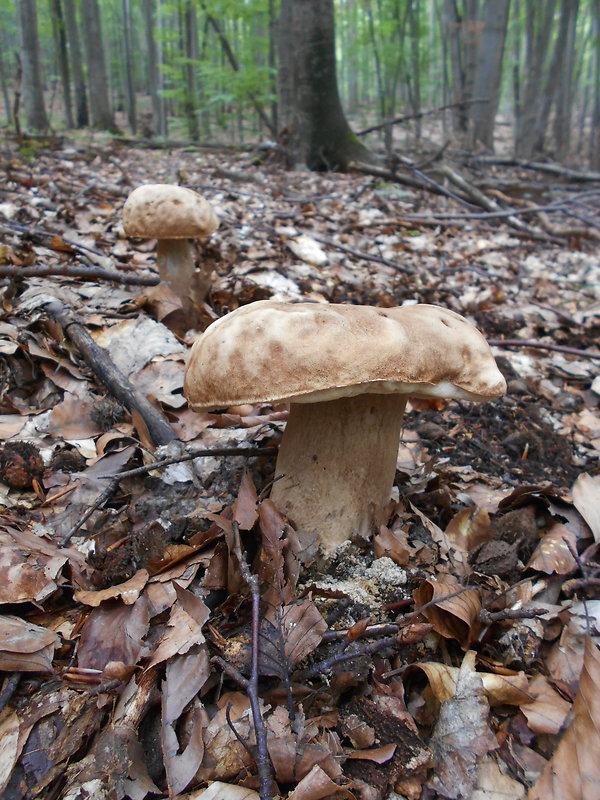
173,215
346,371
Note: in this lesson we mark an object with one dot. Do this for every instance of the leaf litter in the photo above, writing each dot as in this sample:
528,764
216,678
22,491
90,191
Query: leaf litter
457,658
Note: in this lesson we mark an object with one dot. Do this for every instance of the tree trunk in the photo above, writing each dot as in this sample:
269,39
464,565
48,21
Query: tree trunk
154,75
564,79
101,114
33,95
129,78
488,73
81,107
60,39
190,32
312,114
595,128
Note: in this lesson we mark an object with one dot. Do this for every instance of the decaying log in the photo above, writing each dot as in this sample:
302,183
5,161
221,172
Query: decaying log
110,375
75,271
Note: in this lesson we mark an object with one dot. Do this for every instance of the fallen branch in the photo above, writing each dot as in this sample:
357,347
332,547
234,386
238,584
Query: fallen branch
247,452
559,348
420,115
364,256
538,166
98,503
111,376
74,271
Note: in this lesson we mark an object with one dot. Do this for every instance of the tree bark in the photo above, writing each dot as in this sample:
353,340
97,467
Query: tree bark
60,40
129,78
101,114
488,73
154,77
81,106
315,127
33,95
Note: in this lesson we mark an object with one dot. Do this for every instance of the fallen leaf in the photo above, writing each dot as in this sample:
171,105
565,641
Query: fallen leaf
25,647
547,711
554,552
454,612
586,499
574,770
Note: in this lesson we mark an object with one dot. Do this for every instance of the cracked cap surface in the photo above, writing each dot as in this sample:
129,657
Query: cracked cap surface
272,352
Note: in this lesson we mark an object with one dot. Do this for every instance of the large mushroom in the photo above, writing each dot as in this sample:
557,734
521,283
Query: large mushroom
347,372
173,215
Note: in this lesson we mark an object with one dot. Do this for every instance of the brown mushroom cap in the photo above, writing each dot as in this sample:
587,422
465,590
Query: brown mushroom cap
309,352
162,211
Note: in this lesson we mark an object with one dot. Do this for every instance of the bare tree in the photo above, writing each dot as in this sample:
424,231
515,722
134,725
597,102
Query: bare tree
159,117
60,41
33,95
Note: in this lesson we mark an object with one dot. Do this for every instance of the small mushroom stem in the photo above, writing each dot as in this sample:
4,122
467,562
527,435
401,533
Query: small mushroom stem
175,261
338,460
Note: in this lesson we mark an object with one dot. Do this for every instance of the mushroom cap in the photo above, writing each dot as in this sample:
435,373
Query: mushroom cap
272,352
162,211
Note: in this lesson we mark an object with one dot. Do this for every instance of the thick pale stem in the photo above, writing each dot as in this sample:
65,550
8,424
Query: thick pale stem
176,267
338,459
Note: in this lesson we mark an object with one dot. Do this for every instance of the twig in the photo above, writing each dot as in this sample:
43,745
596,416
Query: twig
74,271
112,377
559,348
420,115
263,760
365,256
221,451
489,617
98,503
551,169
9,688
328,663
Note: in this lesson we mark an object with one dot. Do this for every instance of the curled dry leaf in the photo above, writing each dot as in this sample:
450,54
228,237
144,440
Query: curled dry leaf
393,544
317,785
461,735
113,632
469,528
377,754
574,770
586,498
454,612
565,659
499,689
554,553
25,647
493,784
128,592
288,635
222,791
547,711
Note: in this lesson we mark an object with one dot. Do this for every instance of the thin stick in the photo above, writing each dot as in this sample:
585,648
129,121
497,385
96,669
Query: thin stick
9,688
221,451
75,271
263,760
98,503
559,348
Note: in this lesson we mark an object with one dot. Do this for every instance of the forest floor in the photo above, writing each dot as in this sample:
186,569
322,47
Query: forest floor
454,656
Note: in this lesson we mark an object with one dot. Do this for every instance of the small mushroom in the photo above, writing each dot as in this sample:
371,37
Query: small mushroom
347,372
173,215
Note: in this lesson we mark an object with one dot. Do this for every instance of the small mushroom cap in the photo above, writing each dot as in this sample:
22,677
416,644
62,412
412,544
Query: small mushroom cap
162,211
271,352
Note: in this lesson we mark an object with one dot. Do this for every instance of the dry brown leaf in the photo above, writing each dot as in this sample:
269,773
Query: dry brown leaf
128,592
469,528
573,772
222,791
181,764
499,689
586,499
493,784
25,647
393,544
317,785
455,612
461,735
224,756
377,754
184,628
554,553
547,712
565,659
245,511
113,632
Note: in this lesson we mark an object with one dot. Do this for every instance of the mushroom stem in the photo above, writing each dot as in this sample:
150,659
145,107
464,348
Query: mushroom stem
175,261
338,460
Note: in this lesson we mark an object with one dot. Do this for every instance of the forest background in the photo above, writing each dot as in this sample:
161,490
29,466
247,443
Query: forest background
214,71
